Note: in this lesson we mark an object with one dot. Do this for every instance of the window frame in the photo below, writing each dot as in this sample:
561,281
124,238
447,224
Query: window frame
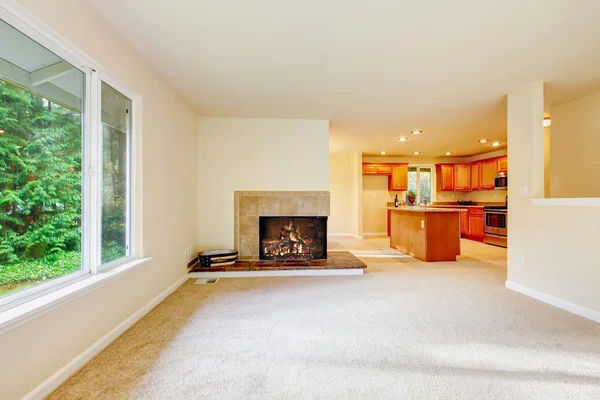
433,182
130,198
20,19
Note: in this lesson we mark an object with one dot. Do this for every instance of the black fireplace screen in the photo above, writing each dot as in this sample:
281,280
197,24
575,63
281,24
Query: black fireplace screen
293,238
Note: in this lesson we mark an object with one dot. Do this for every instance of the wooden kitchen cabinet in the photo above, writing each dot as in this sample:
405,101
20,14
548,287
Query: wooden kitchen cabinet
398,181
475,167
462,177
445,177
503,164
487,174
384,169
475,216
464,224
476,227
376,169
369,169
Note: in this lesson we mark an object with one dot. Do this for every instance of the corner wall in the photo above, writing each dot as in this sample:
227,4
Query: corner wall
575,133
553,251
33,352
253,154
340,178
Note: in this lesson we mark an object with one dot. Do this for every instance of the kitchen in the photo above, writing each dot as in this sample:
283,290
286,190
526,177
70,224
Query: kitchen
475,185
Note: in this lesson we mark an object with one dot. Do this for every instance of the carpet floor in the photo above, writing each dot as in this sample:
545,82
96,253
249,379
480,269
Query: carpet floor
404,330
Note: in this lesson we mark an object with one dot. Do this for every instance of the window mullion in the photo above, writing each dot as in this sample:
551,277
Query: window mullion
95,173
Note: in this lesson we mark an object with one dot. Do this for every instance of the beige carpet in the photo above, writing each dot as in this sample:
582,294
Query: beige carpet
405,330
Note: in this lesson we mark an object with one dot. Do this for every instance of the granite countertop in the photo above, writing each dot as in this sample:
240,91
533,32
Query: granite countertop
456,206
474,205
426,209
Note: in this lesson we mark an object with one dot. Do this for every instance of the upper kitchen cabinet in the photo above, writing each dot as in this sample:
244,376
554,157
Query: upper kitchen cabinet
462,177
503,164
475,168
487,174
399,179
377,169
445,177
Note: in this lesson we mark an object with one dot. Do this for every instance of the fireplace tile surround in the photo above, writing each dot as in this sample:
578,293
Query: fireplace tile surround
250,205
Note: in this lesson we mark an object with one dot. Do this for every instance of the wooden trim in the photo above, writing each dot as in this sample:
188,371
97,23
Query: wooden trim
554,301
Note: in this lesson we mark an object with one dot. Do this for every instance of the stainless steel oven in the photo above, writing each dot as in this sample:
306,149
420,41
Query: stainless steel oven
495,225
501,181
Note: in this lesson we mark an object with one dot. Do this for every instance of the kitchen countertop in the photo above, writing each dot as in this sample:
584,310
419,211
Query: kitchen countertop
427,209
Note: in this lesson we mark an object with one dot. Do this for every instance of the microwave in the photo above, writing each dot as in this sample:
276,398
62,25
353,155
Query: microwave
501,181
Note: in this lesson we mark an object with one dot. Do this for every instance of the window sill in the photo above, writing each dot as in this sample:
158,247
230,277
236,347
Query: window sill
22,313
568,202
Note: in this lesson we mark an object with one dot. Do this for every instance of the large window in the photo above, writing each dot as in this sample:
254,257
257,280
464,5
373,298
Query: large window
65,151
420,182
116,123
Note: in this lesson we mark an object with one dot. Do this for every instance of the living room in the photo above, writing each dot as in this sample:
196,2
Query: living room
196,102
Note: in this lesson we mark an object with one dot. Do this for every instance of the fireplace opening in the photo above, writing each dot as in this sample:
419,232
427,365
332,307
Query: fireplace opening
293,238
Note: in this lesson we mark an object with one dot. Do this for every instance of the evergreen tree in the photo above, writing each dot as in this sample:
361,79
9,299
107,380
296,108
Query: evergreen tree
40,176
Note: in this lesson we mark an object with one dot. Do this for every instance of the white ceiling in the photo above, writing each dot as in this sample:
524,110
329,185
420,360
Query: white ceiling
377,69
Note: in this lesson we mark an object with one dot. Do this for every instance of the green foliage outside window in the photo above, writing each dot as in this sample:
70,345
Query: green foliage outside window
40,187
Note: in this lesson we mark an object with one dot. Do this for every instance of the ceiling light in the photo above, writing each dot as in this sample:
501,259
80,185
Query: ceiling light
416,153
483,141
416,132
448,153
496,144
402,139
547,122
382,153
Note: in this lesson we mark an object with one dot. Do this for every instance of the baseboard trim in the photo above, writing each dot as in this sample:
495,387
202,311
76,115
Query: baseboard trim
264,274
375,234
54,381
554,301
345,235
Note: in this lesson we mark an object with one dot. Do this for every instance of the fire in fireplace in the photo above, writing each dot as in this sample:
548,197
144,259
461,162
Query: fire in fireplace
293,238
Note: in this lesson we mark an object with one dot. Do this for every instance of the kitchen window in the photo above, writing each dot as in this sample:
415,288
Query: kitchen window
421,182
65,166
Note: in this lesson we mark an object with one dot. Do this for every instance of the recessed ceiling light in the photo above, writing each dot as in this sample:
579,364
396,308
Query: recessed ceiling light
496,144
416,132
483,141
416,153
402,139
383,153
448,153
547,122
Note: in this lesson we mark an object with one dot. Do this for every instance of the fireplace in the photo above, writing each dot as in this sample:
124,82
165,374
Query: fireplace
292,238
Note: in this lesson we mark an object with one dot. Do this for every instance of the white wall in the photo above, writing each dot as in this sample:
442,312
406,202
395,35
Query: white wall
357,188
345,183
340,186
559,245
34,351
254,154
575,132
375,198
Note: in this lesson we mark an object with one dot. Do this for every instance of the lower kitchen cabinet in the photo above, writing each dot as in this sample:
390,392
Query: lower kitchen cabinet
476,227
471,224
464,224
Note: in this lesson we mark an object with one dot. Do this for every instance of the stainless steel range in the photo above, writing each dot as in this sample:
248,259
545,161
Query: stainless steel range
495,225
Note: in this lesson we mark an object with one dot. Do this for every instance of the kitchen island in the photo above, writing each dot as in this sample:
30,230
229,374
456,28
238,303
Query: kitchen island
426,233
